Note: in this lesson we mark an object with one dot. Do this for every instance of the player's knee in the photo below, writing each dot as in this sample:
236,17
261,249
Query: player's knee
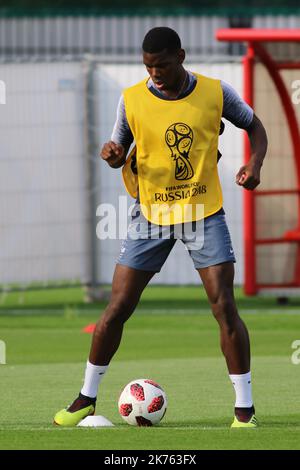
118,311
225,312
222,306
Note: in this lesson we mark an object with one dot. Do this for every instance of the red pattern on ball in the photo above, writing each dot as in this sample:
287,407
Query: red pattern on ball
125,409
137,391
156,404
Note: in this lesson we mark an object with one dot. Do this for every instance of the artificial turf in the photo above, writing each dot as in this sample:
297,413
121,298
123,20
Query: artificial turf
173,339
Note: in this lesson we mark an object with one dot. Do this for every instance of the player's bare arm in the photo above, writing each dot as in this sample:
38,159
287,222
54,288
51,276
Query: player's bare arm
249,175
114,154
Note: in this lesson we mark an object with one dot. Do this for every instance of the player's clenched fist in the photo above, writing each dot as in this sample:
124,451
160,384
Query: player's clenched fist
248,176
113,154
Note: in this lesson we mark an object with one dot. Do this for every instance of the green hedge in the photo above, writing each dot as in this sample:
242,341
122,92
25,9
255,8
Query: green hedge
45,8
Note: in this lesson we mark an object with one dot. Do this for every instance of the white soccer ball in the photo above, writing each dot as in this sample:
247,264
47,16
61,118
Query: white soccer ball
142,403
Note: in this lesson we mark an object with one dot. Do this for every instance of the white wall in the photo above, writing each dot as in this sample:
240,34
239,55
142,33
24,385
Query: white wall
43,226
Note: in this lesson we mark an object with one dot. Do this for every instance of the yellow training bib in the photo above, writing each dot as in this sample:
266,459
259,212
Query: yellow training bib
176,152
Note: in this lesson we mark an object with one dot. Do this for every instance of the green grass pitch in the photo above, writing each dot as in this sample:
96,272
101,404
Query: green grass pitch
173,339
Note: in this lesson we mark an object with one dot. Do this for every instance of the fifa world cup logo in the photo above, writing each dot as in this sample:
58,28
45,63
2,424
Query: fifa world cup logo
179,139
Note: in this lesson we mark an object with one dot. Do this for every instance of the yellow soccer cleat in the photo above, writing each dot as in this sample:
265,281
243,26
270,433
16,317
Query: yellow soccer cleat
251,424
80,409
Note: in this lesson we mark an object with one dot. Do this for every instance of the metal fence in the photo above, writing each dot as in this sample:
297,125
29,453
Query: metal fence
121,36
105,36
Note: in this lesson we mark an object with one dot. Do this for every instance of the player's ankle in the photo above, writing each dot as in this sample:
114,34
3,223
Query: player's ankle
244,414
81,401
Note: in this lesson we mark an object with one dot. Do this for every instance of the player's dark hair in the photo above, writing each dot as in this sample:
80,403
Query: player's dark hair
161,38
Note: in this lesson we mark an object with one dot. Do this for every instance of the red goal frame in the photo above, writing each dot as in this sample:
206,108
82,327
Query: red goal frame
255,39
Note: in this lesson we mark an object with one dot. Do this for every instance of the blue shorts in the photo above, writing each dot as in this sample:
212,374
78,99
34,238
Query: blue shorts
211,246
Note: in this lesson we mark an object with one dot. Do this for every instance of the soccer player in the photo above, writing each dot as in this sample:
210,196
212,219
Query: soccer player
174,117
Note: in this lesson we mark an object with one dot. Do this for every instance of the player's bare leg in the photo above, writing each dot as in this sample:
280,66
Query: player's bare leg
127,287
234,338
